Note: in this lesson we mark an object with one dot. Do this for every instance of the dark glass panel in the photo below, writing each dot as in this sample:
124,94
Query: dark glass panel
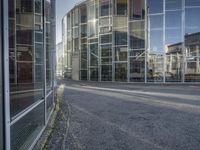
106,73
120,7
83,74
106,50
137,69
106,38
83,14
104,7
94,74
136,9
38,6
121,54
24,53
121,72
120,38
84,30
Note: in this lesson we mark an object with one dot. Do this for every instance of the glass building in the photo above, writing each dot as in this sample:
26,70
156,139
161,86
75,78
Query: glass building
133,40
27,54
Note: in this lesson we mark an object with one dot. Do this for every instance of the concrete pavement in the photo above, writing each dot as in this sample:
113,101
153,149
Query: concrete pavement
120,116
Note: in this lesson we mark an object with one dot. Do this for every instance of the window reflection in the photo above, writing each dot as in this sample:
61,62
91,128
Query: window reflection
155,6
26,75
136,9
120,7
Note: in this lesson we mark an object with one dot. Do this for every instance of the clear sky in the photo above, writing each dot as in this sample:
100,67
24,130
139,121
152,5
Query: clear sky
62,7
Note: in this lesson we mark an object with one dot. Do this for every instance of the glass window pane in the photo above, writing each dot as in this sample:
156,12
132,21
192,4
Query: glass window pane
156,46
121,72
26,57
173,4
121,54
94,74
173,23
121,36
155,6
120,7
155,66
104,7
24,132
136,9
137,69
106,73
106,38
192,3
83,14
192,21
84,74
156,22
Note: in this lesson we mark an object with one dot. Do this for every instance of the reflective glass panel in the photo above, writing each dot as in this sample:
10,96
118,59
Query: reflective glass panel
83,14
26,65
24,131
155,68
121,72
106,73
192,3
173,4
120,53
155,6
136,9
137,69
120,7
104,7
192,21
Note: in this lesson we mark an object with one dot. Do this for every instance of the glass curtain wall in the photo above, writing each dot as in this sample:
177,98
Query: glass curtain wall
156,53
138,40
120,45
137,43
192,41
105,39
30,61
93,40
83,43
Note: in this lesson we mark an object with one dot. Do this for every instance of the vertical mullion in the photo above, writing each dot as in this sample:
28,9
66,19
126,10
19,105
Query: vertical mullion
128,42
44,46
6,75
146,40
164,63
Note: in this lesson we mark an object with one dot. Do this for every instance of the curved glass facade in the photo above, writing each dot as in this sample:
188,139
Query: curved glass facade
134,40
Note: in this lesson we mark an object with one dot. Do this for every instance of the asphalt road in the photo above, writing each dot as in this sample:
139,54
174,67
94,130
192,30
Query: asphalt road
120,116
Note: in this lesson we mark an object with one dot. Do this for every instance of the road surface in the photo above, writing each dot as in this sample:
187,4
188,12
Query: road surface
121,116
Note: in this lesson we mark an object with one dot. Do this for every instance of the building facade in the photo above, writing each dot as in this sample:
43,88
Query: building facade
133,40
59,59
27,54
